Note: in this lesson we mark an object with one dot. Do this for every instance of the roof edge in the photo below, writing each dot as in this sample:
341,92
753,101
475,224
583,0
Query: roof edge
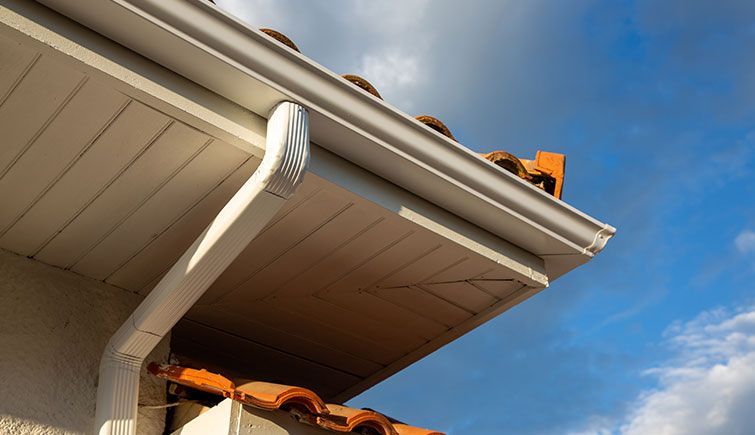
225,55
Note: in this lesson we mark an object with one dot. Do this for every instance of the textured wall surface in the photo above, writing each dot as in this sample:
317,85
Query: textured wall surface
54,325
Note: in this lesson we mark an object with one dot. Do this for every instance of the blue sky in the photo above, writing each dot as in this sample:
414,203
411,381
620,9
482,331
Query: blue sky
654,104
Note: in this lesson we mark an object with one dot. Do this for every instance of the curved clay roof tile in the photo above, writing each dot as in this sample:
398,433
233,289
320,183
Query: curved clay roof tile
508,162
362,83
198,379
404,429
271,396
436,125
345,419
280,37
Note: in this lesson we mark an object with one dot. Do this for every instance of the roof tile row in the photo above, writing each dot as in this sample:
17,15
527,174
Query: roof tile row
301,402
545,172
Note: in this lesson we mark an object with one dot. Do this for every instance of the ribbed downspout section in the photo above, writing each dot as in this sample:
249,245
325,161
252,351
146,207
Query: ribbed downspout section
246,214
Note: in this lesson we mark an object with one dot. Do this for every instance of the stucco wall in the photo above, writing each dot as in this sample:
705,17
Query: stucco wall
54,325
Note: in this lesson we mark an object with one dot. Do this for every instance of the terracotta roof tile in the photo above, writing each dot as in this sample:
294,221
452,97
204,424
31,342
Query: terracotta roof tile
508,162
545,172
345,419
404,429
303,402
280,37
270,396
362,84
436,125
197,379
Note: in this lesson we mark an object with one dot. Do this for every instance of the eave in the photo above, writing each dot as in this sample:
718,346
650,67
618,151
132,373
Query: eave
216,50
365,155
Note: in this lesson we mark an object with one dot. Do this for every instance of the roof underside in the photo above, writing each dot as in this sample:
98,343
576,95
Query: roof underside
335,290
353,280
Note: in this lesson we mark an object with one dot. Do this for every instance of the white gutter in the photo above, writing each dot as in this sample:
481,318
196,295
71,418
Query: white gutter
199,41
251,208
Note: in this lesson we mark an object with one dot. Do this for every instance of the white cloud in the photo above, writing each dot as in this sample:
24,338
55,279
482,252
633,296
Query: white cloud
393,74
595,426
745,241
708,388
258,13
388,17
391,44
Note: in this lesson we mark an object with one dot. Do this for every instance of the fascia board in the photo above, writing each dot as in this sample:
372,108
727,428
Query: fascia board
208,46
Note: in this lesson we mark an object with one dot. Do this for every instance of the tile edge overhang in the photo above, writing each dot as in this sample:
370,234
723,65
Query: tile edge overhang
218,51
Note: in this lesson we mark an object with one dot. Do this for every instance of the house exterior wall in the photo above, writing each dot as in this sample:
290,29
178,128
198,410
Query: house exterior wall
233,418
54,325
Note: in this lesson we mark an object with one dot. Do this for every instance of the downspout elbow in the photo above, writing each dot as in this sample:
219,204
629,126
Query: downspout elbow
118,386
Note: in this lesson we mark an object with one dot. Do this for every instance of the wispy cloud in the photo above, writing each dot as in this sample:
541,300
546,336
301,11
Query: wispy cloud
745,242
707,388
388,43
393,73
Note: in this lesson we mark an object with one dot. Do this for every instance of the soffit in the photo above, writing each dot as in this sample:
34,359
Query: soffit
348,288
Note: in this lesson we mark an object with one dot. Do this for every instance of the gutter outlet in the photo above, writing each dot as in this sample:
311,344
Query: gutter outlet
246,214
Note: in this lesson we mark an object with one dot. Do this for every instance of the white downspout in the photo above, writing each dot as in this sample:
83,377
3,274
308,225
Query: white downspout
250,209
